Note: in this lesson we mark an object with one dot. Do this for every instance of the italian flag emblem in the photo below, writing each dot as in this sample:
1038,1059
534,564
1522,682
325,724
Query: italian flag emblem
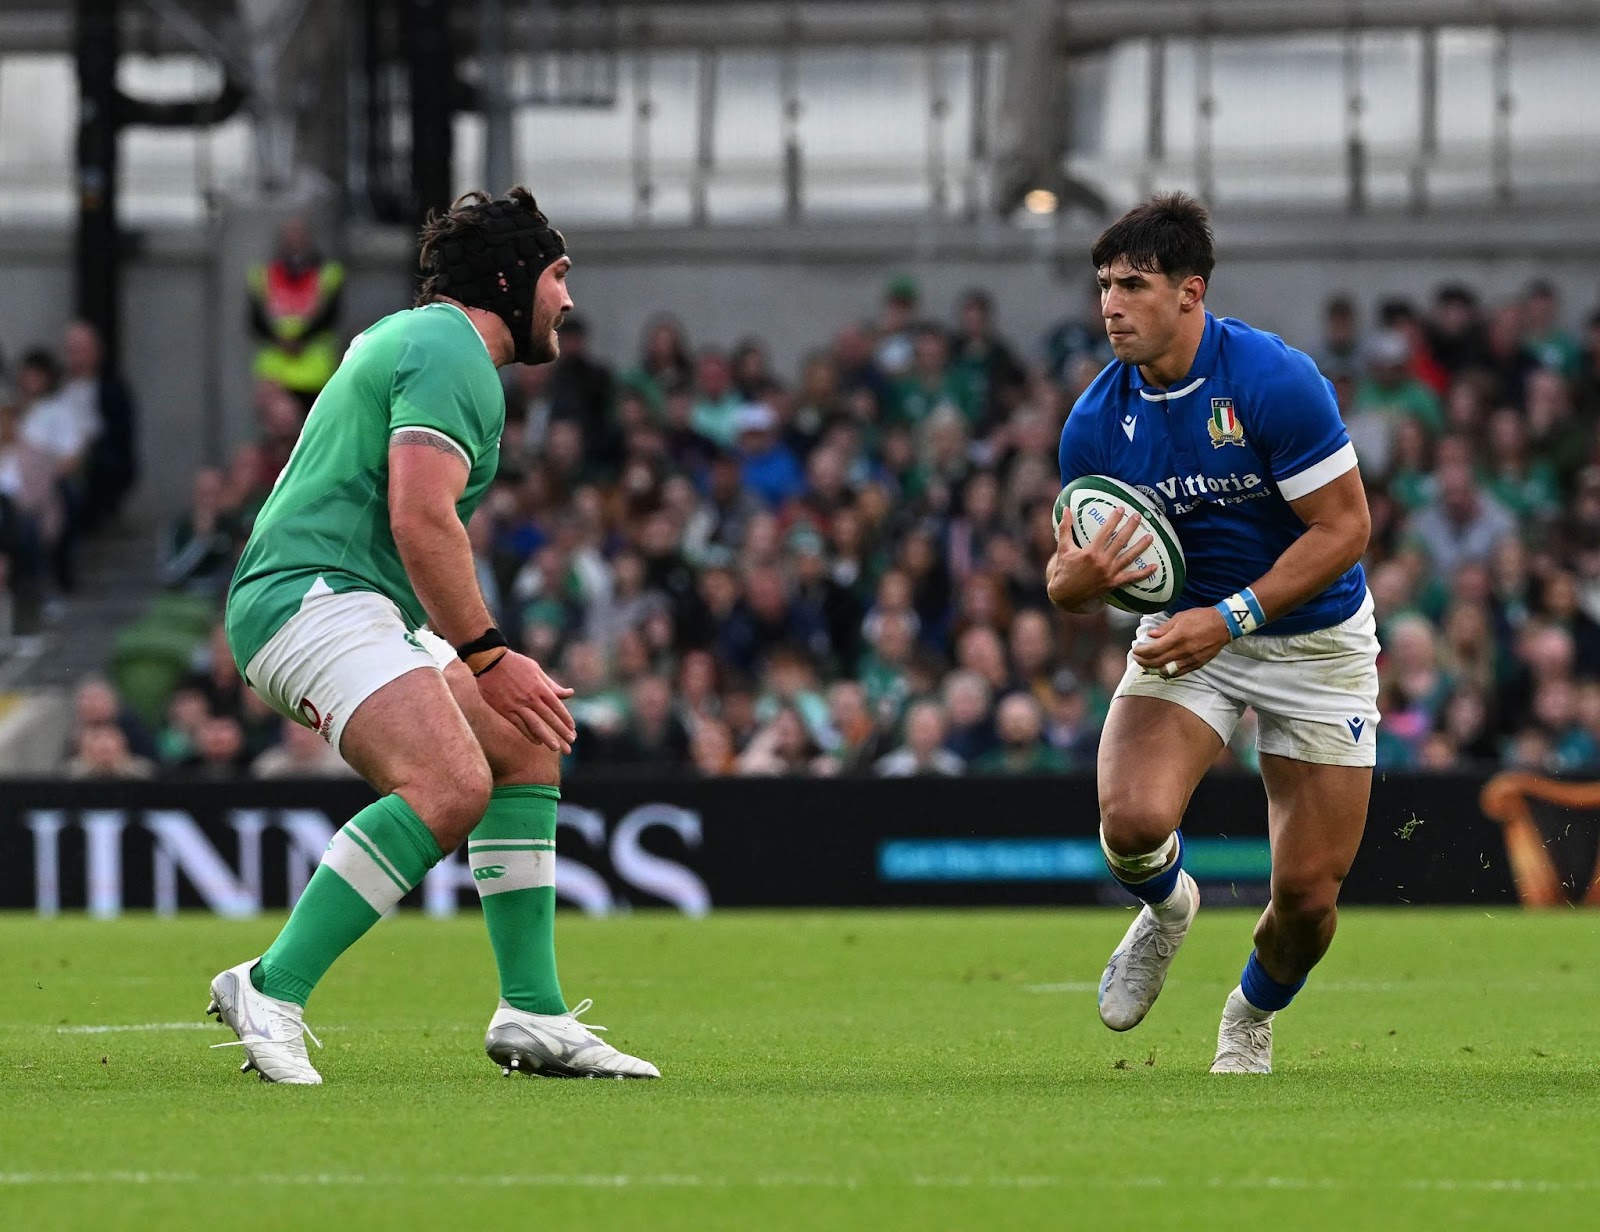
1224,426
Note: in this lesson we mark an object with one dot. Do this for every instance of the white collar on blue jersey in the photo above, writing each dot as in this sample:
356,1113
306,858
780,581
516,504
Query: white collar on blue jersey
1205,360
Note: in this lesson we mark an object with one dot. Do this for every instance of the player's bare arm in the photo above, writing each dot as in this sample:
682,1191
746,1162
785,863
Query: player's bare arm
427,475
1338,525
1077,578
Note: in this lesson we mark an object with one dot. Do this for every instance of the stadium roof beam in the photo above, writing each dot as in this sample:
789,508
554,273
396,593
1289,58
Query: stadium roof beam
46,25
1082,24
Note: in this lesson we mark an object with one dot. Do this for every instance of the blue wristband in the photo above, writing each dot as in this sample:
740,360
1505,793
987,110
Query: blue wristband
1242,613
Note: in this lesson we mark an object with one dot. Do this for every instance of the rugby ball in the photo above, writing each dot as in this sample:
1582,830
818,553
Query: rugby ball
1089,503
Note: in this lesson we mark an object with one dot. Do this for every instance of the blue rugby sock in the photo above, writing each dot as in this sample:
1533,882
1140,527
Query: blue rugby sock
1262,991
1154,889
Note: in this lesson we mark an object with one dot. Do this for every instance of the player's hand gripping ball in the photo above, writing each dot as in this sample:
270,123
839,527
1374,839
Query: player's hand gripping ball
1089,503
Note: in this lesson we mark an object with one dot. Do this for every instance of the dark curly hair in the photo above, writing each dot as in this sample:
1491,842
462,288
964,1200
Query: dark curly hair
1169,234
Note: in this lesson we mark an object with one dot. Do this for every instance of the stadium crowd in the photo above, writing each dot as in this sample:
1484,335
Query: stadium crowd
838,570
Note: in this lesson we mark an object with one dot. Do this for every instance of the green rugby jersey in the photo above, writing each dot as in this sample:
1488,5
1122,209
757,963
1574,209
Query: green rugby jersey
328,515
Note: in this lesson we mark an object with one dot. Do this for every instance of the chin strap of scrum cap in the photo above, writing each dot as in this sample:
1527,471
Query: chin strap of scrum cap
497,266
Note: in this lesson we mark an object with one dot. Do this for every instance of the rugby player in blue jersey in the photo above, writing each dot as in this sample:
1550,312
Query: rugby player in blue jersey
1236,437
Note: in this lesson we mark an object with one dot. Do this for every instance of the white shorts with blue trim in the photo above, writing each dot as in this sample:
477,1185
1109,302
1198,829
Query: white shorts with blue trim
1315,694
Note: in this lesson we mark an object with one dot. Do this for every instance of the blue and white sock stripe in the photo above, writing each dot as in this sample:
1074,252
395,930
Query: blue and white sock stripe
1243,613
500,866
353,855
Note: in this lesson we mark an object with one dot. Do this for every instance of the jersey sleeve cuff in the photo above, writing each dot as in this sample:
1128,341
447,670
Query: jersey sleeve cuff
1319,474
443,436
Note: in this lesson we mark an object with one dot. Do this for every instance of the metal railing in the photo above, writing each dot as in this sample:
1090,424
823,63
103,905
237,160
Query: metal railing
1363,114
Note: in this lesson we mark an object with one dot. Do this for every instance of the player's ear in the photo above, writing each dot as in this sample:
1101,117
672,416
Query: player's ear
1194,292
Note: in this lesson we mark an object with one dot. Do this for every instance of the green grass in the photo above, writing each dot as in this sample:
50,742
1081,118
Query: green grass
905,1070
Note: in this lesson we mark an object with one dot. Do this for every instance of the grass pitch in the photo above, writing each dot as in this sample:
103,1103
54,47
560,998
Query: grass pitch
855,1070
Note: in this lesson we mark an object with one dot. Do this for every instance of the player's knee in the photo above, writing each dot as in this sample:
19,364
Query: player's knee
1308,897
1132,826
530,763
451,798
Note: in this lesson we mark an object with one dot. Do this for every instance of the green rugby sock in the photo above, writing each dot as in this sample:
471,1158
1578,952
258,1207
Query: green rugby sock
379,855
513,859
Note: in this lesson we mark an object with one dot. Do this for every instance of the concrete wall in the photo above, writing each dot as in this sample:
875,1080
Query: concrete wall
792,289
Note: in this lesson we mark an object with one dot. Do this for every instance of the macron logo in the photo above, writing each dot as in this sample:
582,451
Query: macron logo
1356,726
1129,423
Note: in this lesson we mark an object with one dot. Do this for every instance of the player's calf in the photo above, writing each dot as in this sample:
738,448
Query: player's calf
1292,936
1297,927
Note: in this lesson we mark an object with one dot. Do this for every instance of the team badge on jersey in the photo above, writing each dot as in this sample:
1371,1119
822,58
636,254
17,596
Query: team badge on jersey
1224,427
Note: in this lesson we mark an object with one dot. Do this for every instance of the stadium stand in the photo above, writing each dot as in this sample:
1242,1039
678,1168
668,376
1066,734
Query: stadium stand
839,573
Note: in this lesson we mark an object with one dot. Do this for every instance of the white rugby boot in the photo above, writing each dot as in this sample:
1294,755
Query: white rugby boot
271,1032
1138,966
1244,1040
557,1046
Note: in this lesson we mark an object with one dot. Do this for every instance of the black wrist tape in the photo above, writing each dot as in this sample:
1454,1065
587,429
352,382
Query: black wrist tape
488,640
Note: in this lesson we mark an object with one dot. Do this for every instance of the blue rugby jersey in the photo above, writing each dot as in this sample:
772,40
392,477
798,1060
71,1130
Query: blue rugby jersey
1252,426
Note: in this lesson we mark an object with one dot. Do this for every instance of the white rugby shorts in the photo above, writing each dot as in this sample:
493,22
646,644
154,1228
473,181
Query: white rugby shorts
1315,694
337,651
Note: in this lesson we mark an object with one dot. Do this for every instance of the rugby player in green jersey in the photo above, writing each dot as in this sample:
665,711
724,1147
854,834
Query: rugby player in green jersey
355,610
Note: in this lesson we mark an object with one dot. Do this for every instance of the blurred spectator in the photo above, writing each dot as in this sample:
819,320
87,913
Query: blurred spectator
1398,316
1076,342
1455,329
716,402
1022,750
216,675
1032,644
179,739
102,403
752,371
28,518
102,753
1067,725
1555,433
981,358
883,669
219,751
583,391
1340,352
1543,337
300,754
96,703
1508,360
930,383
1588,383
783,747
967,701
924,751
767,467
294,306
860,374
856,737
894,353
1389,394
279,415
664,365
1464,525
197,552
653,737
57,429
1525,486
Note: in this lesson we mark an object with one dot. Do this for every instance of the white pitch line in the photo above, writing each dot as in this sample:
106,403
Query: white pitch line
109,1028
781,1181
